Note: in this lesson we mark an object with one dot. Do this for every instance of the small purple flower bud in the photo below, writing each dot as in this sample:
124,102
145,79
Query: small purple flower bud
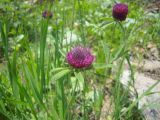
80,57
47,14
120,11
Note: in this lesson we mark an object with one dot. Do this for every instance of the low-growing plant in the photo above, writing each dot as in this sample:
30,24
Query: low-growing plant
78,47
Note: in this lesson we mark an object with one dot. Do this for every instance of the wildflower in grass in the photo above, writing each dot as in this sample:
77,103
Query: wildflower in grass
80,57
47,14
120,11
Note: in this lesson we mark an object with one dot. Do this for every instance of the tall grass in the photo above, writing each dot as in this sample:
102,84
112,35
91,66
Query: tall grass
11,63
43,86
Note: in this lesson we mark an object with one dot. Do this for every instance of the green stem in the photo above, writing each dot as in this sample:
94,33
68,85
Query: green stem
82,21
123,32
84,95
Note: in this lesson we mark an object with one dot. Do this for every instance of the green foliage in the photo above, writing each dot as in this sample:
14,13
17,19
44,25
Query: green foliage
35,80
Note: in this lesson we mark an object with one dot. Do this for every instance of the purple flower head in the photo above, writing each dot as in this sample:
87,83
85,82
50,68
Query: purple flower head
47,14
120,11
80,57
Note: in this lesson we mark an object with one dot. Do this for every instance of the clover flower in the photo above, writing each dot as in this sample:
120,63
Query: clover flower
120,11
47,14
80,57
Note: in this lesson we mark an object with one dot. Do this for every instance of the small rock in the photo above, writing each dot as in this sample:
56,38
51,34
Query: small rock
142,83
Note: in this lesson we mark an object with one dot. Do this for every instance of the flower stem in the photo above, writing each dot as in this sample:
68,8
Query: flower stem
84,97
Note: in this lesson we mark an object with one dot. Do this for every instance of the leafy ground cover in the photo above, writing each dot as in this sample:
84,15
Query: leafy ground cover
59,59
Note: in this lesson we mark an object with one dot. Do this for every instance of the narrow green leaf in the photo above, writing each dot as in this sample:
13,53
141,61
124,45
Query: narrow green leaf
60,74
57,70
80,78
34,88
102,66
